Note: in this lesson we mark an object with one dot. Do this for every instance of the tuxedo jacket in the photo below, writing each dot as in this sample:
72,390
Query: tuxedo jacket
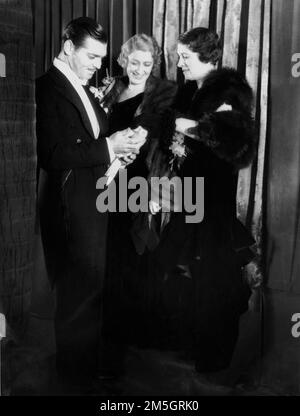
70,162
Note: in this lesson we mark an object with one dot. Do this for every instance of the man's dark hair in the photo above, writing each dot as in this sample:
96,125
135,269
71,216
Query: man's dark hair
81,28
203,41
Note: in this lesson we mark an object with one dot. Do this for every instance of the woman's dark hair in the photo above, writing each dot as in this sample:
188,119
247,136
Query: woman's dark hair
203,41
81,28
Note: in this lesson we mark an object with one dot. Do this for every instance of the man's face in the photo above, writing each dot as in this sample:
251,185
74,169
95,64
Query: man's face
86,59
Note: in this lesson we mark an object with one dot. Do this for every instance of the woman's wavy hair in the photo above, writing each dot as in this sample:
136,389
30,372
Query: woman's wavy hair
205,42
141,42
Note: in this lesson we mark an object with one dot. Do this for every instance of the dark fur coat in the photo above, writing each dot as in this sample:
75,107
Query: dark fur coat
158,98
225,143
203,261
229,134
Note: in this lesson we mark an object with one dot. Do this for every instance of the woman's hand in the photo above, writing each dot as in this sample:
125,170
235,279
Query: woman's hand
139,136
136,138
154,207
121,142
183,124
128,141
224,107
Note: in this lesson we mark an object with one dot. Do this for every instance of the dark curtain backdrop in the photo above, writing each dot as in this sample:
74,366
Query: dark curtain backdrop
120,19
283,208
281,367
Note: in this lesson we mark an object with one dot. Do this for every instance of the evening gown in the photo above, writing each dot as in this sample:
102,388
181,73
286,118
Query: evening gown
202,293
132,308
127,288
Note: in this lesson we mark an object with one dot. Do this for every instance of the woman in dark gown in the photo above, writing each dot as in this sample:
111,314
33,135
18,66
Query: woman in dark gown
137,99
201,293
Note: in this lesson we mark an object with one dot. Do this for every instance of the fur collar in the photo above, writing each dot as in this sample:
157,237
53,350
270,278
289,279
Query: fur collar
229,134
158,95
224,85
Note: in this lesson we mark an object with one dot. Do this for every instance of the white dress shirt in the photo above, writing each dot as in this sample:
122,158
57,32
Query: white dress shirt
77,84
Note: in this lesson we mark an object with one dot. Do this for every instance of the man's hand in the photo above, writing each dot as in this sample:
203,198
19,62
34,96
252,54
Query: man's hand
140,134
121,142
128,141
136,138
139,137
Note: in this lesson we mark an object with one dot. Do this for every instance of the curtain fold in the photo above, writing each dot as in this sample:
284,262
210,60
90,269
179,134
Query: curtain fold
220,16
264,89
190,13
201,13
252,74
231,33
294,283
250,188
171,33
158,20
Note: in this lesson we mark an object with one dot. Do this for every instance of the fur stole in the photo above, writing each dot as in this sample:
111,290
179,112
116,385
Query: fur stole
158,96
229,134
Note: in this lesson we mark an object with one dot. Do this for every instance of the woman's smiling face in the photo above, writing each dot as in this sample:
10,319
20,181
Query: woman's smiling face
139,67
193,69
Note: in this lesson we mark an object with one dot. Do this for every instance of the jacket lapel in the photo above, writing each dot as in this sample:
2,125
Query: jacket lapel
100,113
63,85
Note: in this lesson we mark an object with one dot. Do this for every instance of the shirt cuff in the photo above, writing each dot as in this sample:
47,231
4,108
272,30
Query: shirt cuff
112,154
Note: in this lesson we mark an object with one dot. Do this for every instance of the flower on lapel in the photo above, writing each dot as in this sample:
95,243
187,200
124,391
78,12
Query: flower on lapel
97,92
100,93
178,149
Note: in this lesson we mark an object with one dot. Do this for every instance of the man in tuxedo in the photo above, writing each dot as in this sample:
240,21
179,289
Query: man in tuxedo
73,153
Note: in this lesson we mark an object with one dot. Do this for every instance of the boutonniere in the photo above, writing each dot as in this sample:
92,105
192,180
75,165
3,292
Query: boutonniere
178,150
97,92
100,92
99,95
